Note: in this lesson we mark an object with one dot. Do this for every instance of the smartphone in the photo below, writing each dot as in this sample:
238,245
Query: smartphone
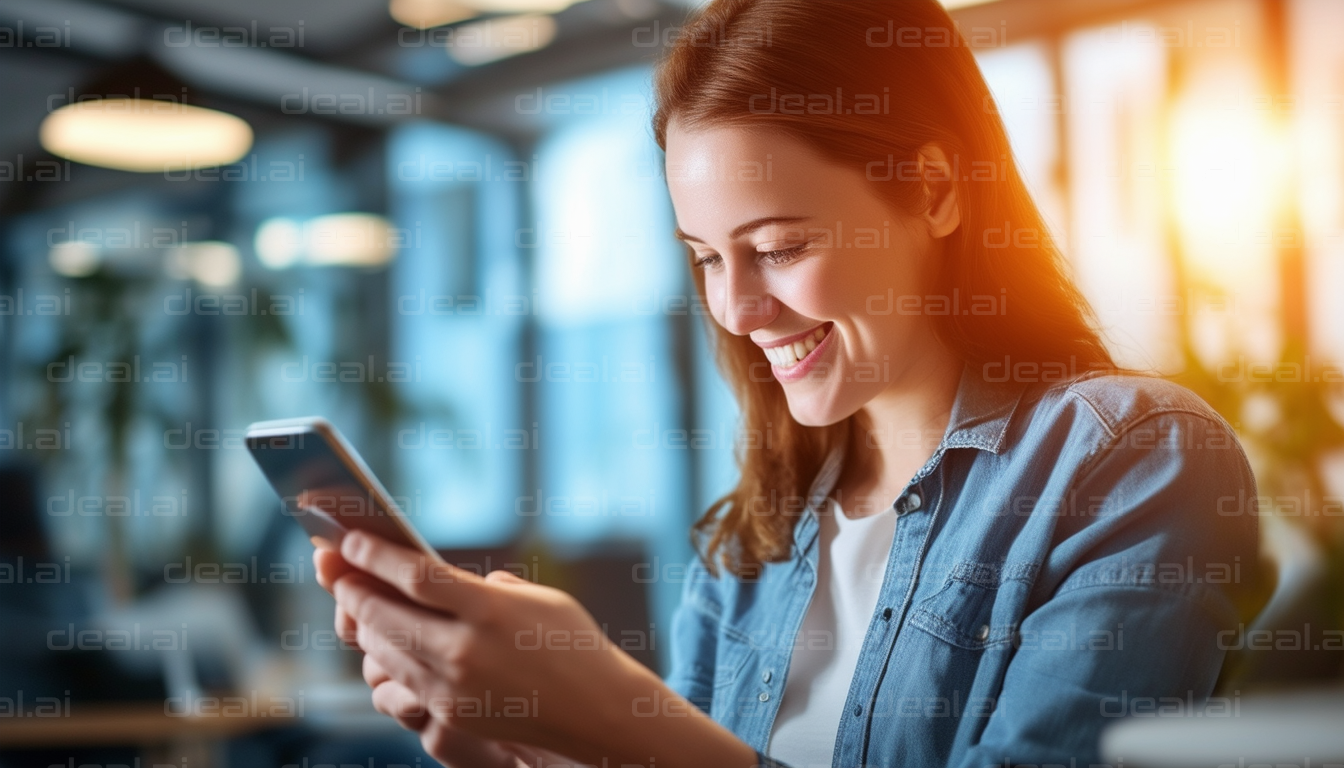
325,485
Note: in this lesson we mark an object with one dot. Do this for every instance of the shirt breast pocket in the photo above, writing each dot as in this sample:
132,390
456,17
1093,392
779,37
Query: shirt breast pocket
973,609
730,659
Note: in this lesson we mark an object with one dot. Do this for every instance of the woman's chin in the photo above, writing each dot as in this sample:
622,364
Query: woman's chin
826,399
813,410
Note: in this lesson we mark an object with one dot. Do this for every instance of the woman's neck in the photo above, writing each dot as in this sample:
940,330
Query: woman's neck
894,435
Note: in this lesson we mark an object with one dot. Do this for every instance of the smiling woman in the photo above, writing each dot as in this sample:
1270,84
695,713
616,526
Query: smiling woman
959,505
856,182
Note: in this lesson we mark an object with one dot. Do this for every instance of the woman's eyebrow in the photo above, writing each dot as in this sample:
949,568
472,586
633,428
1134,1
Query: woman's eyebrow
750,226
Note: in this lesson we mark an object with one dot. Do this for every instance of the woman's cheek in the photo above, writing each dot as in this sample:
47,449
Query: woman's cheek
818,291
714,298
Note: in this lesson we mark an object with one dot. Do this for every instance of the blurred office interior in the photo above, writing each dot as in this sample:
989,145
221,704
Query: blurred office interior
442,224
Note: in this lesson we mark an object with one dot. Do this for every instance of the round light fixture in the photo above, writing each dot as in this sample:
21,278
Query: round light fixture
483,42
279,243
145,135
350,239
335,240
520,6
423,14
211,262
74,258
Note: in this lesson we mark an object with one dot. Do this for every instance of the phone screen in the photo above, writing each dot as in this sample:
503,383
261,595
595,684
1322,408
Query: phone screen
325,486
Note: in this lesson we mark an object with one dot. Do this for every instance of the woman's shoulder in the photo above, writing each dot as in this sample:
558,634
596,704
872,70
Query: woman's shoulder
1119,401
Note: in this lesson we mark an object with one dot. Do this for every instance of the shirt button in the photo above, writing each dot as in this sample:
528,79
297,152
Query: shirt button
886,614
764,696
913,501
858,711
765,676
982,633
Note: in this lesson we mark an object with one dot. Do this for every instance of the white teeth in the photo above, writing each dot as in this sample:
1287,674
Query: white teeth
788,355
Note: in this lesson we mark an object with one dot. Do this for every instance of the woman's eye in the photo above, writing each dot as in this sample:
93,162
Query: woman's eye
708,262
782,255
774,256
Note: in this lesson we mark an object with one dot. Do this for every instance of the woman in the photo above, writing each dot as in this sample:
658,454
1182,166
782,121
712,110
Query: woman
960,537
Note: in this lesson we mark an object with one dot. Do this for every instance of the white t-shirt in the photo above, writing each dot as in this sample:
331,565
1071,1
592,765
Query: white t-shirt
852,562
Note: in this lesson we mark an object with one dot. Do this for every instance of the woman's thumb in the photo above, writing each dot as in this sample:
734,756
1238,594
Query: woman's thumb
504,577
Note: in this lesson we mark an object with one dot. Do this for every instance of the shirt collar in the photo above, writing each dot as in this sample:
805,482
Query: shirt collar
981,414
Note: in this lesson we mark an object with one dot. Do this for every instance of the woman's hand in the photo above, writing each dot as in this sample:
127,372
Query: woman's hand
481,666
452,746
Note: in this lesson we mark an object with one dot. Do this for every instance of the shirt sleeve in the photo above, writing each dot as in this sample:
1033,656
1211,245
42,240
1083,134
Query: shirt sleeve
694,637
1152,546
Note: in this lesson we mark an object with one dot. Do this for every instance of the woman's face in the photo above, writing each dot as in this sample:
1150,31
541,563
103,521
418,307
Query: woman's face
802,256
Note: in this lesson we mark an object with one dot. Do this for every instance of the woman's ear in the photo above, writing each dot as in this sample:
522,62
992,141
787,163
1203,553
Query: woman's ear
943,213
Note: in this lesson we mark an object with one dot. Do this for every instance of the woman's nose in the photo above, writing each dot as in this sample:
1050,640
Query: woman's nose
747,304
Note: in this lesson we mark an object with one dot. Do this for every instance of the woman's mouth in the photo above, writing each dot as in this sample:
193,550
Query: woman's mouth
792,359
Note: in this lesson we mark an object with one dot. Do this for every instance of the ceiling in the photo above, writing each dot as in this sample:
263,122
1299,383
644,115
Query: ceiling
330,26
354,46
351,42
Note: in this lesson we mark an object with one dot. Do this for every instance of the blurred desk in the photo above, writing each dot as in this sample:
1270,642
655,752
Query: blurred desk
164,738
341,708
138,724
1301,728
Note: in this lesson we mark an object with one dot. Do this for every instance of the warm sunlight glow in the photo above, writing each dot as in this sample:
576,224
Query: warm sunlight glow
1228,168
1230,174
953,5
145,135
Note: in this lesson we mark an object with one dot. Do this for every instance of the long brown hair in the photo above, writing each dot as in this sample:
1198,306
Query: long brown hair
867,83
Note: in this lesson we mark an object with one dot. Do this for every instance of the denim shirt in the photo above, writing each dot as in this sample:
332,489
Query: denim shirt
1066,557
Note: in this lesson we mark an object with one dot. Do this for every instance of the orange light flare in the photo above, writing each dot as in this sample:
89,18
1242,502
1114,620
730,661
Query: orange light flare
1230,169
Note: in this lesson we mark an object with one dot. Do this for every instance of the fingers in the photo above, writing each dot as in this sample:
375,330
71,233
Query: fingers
401,704
430,583
440,739
457,747
374,674
536,757
405,671
405,639
504,577
328,563
346,628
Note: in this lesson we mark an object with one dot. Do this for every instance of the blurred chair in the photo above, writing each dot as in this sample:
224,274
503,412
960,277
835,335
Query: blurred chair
1290,641
1280,699
601,578
42,610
